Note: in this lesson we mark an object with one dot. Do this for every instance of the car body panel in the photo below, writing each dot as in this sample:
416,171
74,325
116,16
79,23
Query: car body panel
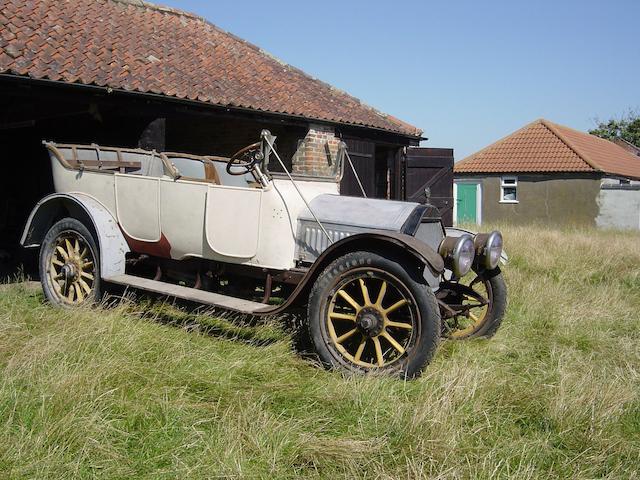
181,218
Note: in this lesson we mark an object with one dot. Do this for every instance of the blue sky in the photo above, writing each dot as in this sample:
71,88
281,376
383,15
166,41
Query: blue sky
467,72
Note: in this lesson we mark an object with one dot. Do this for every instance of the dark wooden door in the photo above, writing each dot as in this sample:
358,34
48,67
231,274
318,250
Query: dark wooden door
362,155
430,168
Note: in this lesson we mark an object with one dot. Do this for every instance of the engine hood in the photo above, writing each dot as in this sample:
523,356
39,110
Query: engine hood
359,213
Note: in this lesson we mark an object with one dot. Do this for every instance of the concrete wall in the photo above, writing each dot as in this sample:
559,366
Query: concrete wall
561,199
619,207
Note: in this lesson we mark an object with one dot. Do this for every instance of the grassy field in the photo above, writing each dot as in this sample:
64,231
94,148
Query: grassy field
154,392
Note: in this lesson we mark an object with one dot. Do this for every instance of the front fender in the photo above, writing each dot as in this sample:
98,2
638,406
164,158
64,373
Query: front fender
378,240
111,243
420,250
383,241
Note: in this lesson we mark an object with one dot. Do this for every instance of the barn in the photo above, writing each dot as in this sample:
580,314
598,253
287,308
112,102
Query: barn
129,73
551,174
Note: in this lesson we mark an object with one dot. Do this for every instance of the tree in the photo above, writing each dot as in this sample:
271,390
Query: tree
627,128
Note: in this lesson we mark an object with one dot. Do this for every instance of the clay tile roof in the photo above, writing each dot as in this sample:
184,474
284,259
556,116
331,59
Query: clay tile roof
545,147
136,46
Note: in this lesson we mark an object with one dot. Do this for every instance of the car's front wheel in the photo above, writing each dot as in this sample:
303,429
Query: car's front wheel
368,313
69,266
482,302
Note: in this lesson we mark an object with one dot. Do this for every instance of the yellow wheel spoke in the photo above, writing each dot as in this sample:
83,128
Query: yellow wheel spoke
57,262
78,291
347,335
71,293
55,284
383,291
360,349
87,275
77,246
62,252
474,317
380,359
392,341
84,252
365,292
85,286
406,326
86,265
342,316
397,305
69,247
350,300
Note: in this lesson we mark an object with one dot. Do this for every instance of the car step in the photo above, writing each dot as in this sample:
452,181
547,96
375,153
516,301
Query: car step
191,294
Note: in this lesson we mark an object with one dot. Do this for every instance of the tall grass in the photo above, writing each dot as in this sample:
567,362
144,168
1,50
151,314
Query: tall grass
151,391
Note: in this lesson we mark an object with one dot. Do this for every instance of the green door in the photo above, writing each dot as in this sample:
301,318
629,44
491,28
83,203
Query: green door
466,203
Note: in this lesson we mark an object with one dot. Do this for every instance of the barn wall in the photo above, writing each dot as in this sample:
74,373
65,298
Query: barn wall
619,207
33,111
221,136
306,151
559,200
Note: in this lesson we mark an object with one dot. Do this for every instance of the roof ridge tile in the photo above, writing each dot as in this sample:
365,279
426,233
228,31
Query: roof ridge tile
554,129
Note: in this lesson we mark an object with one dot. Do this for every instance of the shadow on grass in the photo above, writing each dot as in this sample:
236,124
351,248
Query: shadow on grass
196,318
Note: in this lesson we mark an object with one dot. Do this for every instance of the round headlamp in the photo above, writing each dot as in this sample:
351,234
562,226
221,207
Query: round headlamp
493,250
489,249
458,254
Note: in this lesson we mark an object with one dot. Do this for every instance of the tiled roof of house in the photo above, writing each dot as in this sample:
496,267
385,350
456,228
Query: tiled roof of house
136,46
545,147
627,145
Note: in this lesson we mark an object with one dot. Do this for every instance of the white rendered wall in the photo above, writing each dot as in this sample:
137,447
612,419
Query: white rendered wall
619,207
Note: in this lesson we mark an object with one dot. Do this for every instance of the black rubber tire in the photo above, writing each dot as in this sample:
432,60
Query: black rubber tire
495,315
313,330
49,244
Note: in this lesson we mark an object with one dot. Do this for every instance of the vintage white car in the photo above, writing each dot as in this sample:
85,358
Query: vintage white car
381,281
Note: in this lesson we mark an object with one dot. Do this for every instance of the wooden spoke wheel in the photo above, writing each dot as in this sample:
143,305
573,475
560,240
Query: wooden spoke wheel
480,303
367,312
69,267
371,318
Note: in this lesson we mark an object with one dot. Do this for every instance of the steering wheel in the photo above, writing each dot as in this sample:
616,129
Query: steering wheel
245,159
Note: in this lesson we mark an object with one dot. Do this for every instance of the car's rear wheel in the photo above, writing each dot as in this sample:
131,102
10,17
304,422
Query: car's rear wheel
367,313
69,266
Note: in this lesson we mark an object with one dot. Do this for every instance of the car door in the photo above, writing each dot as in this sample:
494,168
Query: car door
232,221
202,218
182,205
138,206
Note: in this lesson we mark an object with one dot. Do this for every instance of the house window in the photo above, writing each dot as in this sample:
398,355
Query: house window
509,190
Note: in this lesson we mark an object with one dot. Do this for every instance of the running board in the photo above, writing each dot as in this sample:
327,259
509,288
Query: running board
191,294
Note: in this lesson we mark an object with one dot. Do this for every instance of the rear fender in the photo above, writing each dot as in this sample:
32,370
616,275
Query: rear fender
111,243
